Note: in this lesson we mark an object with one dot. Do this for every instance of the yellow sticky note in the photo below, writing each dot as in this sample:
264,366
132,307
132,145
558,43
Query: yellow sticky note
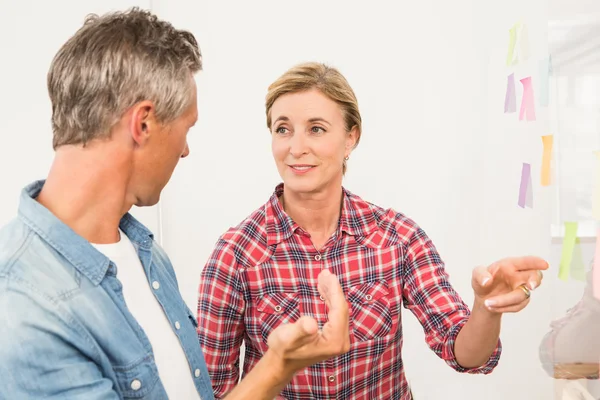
577,263
567,250
596,194
512,41
547,141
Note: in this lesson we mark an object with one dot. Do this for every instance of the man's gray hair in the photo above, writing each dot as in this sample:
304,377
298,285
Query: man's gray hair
113,62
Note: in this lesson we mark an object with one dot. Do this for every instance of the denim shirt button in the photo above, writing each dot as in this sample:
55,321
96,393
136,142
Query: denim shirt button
197,373
155,285
136,384
177,325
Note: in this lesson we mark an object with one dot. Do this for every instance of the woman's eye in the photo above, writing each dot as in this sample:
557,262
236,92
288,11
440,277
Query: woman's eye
317,129
281,130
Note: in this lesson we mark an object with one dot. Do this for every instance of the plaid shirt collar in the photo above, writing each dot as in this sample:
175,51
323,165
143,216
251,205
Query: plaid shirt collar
356,219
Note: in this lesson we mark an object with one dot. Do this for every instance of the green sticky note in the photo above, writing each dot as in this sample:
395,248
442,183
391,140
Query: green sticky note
577,264
567,251
512,41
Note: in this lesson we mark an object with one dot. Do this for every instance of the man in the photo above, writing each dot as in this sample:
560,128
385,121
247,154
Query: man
89,304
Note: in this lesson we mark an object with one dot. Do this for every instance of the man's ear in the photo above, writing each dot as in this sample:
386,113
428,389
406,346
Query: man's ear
143,122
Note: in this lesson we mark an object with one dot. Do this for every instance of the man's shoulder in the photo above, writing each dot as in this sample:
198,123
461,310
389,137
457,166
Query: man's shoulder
28,263
14,237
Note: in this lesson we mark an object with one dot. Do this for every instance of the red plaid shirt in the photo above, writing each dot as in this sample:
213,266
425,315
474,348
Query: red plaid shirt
263,273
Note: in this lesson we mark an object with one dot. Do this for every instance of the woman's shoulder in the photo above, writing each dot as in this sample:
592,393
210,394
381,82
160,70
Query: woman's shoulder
252,228
390,221
247,241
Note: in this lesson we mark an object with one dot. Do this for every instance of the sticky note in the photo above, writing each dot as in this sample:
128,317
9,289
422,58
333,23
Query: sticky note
567,250
547,142
529,196
527,102
511,57
577,263
523,40
525,190
596,193
544,81
596,268
510,100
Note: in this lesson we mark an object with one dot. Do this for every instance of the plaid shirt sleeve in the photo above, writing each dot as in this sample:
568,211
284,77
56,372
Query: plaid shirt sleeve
430,297
221,318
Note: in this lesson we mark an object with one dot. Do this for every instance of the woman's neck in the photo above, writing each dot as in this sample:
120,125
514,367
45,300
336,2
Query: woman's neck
316,213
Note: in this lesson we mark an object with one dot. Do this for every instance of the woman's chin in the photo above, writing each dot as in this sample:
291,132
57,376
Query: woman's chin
296,185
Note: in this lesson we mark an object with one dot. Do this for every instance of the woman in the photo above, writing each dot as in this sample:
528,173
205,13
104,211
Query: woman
263,272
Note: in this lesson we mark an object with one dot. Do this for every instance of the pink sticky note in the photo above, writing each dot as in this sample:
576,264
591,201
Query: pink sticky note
527,102
510,100
596,272
525,190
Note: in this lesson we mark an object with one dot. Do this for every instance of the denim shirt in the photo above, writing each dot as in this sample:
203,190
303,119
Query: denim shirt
65,331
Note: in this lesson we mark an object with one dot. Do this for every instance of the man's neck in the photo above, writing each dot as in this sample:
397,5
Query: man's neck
86,190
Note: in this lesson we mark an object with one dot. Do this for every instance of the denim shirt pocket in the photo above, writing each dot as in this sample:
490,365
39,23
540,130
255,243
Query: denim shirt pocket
138,379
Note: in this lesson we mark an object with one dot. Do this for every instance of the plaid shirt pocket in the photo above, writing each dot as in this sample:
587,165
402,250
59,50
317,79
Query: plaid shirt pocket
276,309
371,315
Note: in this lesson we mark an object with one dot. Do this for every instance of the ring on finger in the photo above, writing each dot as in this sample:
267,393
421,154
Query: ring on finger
525,290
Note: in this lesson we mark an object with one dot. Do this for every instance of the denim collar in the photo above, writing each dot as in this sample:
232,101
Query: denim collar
78,251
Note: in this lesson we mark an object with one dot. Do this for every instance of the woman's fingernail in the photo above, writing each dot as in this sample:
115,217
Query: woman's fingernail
484,281
532,285
489,303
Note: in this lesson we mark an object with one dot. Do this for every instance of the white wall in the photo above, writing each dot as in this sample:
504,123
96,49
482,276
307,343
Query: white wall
430,80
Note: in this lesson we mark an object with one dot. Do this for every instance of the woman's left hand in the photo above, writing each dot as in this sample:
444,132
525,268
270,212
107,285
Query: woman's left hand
506,285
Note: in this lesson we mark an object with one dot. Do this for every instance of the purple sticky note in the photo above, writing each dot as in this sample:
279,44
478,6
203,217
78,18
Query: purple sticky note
527,103
510,100
525,192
